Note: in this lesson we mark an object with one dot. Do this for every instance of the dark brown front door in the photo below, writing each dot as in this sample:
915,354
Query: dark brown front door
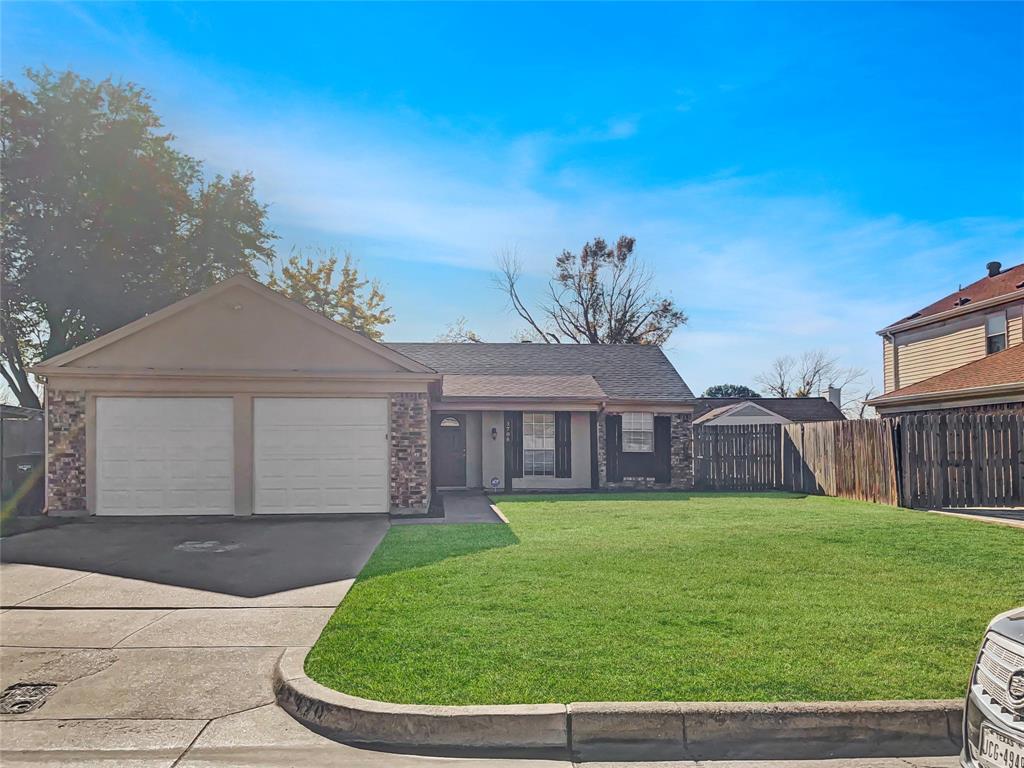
449,450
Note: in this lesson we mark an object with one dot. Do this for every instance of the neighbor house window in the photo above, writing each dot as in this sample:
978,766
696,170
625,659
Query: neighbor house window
539,444
995,332
638,432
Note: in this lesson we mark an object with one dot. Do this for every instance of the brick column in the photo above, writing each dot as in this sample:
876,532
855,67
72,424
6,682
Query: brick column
410,451
682,451
65,451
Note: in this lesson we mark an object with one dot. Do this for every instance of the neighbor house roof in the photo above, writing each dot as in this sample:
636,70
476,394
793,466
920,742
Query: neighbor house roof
521,387
622,371
1008,284
792,408
989,375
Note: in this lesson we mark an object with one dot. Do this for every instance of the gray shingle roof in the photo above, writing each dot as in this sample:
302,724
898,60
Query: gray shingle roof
623,371
516,387
792,408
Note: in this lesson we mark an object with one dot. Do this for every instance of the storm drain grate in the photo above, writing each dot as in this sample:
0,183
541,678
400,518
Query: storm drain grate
24,697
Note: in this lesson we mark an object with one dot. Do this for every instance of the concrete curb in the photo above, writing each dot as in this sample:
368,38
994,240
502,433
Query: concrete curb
625,731
764,731
517,730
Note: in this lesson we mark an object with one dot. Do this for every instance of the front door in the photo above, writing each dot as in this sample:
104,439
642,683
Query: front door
449,450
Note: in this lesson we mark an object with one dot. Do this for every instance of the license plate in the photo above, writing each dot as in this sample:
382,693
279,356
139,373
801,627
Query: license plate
998,750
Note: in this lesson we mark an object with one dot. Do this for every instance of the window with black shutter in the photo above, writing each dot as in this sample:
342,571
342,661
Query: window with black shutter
563,444
613,447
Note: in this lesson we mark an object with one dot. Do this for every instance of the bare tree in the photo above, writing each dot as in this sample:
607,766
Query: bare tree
811,373
456,332
777,381
602,295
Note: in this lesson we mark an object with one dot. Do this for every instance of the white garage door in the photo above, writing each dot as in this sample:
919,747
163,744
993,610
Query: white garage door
164,456
320,455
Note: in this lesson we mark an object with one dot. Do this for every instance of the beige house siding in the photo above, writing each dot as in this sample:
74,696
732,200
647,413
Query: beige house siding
1015,325
888,365
933,349
919,360
493,456
239,330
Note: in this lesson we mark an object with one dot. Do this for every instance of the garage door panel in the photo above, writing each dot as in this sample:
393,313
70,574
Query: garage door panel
164,456
320,455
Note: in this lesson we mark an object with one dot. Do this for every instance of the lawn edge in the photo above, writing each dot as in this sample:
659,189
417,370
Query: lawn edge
624,730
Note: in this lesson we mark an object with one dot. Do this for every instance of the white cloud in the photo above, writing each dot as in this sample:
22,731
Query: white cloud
760,273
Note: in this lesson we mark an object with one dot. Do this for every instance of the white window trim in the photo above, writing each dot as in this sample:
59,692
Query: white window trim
1004,332
643,429
532,417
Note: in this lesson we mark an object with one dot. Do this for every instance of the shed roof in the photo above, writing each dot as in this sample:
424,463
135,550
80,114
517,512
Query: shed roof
792,408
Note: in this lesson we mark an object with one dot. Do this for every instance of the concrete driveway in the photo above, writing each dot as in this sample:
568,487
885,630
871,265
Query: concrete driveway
161,636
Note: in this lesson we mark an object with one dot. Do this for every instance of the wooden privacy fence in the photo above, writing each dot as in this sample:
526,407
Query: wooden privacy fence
946,459
962,459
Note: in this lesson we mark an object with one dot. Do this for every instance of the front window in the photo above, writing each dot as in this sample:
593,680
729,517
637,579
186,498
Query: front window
995,332
638,432
539,444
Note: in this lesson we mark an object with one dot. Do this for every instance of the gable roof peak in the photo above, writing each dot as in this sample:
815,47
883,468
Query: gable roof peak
239,280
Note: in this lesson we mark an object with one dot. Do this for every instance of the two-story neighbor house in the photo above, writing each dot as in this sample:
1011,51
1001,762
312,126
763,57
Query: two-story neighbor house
964,350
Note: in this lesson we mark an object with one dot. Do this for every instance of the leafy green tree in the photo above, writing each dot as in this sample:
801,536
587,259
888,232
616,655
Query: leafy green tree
729,390
102,219
350,299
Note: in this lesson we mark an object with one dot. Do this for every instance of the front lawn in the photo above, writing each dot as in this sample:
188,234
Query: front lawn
675,597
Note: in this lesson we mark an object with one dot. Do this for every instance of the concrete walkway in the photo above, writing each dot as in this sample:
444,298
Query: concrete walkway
1011,516
162,637
459,507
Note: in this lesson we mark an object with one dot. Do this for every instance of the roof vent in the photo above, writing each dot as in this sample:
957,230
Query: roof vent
961,301
993,268
526,341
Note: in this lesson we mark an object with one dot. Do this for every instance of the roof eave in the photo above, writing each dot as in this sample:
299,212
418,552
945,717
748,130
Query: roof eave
519,399
917,322
966,392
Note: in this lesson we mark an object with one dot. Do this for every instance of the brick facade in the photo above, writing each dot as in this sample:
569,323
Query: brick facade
65,451
681,459
410,451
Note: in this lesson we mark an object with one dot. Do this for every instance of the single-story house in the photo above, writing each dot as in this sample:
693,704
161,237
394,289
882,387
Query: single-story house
726,411
241,401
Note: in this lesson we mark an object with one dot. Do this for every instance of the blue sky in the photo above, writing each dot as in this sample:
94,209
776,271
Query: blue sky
797,175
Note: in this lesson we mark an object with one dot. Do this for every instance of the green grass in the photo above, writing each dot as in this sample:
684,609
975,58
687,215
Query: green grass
674,596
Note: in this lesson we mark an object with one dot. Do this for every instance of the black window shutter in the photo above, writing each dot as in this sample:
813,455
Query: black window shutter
663,449
563,444
513,446
613,447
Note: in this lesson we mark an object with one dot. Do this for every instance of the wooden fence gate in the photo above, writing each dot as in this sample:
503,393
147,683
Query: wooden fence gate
946,459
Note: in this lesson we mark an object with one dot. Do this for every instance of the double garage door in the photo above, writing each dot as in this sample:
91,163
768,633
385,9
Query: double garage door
176,456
